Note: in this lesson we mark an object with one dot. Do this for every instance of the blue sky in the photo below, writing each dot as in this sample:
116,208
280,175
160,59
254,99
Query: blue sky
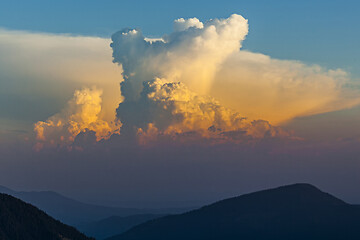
319,31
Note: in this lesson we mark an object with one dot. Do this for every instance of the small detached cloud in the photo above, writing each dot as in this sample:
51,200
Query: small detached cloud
82,113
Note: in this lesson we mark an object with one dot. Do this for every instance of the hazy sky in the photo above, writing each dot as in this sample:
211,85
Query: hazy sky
181,102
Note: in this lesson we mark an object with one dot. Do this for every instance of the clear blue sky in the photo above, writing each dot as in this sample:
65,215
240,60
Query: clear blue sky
317,31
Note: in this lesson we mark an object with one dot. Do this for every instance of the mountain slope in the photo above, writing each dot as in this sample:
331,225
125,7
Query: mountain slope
73,212
19,220
66,209
295,212
114,225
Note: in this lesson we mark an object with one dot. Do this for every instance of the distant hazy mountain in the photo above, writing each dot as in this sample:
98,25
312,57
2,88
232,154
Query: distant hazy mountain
22,221
114,225
294,212
73,212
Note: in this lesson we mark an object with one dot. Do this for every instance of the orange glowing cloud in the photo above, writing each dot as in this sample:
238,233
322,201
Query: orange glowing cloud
279,90
83,113
171,109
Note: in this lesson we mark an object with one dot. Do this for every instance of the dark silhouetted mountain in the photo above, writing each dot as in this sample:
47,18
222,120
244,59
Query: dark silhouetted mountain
73,212
22,221
299,211
114,225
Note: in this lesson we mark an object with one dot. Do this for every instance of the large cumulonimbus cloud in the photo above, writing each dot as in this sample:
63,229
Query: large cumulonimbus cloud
197,80
166,82
199,60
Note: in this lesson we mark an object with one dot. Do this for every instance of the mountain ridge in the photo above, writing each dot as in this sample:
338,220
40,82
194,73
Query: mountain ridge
74,212
297,211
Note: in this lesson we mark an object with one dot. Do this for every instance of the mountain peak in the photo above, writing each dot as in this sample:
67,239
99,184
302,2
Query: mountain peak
302,193
298,187
299,194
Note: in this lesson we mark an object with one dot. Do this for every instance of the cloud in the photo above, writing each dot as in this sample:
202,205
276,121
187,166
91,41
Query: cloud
259,86
182,24
44,70
170,85
170,108
82,114
182,66
191,56
206,57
